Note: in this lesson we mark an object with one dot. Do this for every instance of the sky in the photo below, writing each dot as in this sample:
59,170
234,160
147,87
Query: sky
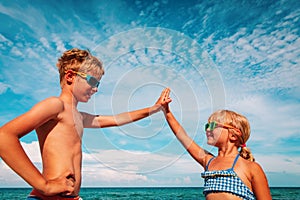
230,54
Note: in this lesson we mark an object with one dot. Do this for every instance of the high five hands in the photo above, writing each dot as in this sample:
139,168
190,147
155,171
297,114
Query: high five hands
164,100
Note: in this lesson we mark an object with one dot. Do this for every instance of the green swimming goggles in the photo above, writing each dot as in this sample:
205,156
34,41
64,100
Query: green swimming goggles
212,125
92,81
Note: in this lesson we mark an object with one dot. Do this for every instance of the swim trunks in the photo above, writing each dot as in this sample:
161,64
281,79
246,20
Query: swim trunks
35,195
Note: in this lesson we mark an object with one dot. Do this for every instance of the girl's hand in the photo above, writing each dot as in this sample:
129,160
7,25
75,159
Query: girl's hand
164,100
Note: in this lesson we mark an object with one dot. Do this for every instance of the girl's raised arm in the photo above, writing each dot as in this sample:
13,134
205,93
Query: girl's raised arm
198,153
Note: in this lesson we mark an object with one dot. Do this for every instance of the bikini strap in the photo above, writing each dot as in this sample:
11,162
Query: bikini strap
235,160
206,167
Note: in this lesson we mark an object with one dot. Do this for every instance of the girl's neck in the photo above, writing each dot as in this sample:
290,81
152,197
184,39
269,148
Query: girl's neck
228,152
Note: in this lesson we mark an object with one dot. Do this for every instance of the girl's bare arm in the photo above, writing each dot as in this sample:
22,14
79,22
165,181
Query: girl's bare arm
198,153
260,183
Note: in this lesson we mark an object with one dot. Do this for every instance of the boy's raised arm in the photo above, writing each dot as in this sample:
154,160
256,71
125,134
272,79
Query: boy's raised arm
13,154
92,121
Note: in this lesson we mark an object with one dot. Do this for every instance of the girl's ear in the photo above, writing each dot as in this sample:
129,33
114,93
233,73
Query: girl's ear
233,137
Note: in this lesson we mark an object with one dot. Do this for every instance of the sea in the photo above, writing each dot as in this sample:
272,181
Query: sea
138,193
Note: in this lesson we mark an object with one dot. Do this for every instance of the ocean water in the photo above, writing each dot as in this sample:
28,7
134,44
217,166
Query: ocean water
189,193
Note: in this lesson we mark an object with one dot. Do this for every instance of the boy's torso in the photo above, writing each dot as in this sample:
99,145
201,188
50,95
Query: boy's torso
60,143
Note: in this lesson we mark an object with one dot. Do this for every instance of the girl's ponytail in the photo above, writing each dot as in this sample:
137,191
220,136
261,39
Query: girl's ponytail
246,153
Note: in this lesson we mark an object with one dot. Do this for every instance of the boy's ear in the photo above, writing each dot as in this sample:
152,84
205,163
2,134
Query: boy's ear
69,76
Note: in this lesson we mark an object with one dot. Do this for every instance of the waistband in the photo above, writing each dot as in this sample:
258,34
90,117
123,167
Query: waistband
35,194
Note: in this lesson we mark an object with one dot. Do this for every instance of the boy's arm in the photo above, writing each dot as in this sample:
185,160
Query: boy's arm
13,153
259,183
93,121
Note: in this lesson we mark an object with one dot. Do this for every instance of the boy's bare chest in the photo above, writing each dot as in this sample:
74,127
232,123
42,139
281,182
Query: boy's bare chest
73,120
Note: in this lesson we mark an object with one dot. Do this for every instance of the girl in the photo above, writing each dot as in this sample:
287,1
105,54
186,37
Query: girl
232,174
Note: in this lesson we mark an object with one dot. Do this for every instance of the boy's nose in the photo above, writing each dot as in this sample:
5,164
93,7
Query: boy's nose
95,89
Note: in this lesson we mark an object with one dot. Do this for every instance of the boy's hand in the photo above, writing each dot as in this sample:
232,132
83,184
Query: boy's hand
164,100
63,184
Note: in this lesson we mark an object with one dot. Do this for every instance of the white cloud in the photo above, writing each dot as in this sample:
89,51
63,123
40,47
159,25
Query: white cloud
45,42
286,163
3,88
60,47
32,54
107,177
266,115
35,21
8,177
125,168
33,151
275,54
5,43
4,39
287,76
187,180
16,51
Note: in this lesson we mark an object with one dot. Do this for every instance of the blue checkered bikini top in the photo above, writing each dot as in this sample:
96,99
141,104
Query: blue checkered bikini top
225,181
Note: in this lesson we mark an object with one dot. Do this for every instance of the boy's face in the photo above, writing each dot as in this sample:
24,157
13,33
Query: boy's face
91,80
86,84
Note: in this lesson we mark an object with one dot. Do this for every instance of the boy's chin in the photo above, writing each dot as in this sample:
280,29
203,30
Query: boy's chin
84,100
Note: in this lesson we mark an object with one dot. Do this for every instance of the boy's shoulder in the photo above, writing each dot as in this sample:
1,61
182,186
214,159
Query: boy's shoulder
51,103
47,109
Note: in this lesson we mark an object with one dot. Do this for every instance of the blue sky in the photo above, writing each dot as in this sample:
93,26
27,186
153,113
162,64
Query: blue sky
238,55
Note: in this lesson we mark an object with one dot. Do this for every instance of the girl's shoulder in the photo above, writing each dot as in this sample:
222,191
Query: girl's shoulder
251,166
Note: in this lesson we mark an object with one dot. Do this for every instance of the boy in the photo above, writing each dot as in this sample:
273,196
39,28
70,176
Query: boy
59,127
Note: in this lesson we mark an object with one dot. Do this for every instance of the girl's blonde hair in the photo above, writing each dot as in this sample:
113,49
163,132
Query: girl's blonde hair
80,61
241,123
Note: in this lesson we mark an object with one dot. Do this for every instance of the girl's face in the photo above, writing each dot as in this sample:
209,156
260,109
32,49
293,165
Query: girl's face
234,126
216,134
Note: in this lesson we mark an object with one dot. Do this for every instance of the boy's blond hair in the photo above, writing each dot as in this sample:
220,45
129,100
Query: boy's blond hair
238,121
80,61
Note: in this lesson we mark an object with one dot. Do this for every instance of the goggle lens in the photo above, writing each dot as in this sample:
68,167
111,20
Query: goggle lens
211,126
92,81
